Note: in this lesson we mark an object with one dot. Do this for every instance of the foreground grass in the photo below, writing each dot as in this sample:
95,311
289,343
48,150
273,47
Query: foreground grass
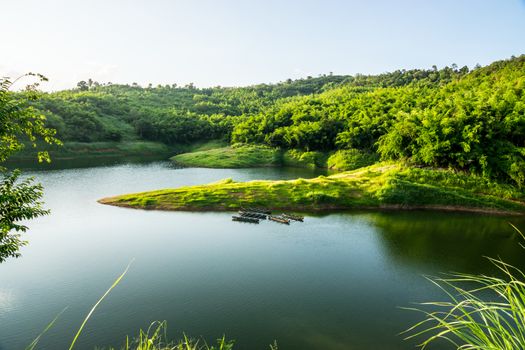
155,338
252,156
384,185
482,312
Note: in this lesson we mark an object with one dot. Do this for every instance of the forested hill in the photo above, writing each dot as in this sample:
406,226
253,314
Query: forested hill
475,122
172,114
450,117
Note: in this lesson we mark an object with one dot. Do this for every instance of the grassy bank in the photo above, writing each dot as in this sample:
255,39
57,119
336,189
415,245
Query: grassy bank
237,156
253,156
384,185
78,150
199,146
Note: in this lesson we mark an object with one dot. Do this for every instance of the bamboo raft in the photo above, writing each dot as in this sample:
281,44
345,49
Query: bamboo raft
293,217
245,219
257,210
252,215
279,219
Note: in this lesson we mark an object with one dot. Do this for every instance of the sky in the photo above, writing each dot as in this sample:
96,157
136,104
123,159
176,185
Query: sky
244,42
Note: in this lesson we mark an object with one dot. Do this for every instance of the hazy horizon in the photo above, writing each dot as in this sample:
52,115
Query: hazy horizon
234,43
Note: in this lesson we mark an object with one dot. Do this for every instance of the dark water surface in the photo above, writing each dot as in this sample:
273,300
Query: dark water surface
333,282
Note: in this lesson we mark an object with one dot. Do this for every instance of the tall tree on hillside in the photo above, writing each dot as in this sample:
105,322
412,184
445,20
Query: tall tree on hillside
82,85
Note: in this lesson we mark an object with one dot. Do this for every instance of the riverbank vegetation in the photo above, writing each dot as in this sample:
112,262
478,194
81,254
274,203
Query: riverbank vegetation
102,149
253,156
384,185
236,156
467,120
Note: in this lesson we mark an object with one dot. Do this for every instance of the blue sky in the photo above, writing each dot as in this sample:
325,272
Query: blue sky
232,43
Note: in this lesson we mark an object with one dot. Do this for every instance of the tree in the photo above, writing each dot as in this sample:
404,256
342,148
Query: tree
82,85
19,200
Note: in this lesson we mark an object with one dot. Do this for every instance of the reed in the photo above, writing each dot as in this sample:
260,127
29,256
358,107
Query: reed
155,338
482,312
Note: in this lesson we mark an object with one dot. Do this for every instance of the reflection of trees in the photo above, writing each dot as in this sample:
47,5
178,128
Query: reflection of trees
448,241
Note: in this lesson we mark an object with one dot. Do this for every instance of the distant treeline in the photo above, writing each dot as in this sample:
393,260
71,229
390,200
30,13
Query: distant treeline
450,117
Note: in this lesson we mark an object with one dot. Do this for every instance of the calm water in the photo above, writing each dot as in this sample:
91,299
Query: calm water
333,282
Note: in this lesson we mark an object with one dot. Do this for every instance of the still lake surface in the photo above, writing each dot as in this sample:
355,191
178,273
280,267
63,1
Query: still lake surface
333,282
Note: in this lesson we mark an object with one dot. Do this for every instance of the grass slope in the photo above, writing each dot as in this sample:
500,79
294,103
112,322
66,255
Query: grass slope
384,185
79,150
253,156
236,156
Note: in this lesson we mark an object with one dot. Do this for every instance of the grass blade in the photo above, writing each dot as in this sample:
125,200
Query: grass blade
117,281
48,327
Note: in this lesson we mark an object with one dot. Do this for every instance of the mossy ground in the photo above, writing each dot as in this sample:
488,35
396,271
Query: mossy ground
384,185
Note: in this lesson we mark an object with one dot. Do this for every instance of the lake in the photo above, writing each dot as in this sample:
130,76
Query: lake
333,282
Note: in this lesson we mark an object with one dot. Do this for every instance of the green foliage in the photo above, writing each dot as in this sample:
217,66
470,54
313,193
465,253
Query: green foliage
482,312
20,122
168,114
467,121
155,338
20,200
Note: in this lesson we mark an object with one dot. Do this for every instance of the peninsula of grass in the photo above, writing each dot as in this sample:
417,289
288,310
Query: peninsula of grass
383,185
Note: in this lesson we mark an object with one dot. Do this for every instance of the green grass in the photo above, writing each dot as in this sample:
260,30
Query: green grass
350,159
199,146
482,312
303,159
79,150
384,185
236,156
215,155
155,338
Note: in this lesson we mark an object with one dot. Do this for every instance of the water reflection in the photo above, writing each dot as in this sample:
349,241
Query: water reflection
449,241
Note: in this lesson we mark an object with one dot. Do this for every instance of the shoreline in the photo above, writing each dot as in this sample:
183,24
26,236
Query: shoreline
383,186
328,210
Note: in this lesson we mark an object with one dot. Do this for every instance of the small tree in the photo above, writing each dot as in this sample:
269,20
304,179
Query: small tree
19,200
